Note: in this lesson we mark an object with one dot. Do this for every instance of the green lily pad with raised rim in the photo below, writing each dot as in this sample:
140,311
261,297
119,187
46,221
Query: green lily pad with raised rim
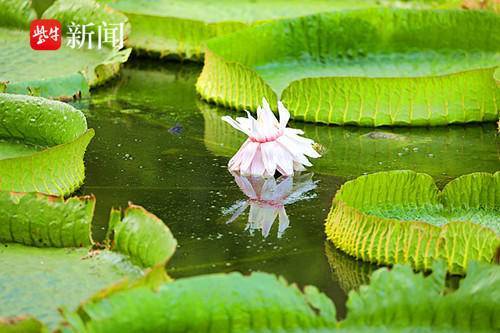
402,217
443,152
66,73
370,67
397,300
43,144
180,29
47,259
216,303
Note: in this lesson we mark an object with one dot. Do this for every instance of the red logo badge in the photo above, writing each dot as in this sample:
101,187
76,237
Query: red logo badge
45,34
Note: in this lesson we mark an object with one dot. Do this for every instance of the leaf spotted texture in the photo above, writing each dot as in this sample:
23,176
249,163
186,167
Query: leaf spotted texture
370,67
401,217
61,130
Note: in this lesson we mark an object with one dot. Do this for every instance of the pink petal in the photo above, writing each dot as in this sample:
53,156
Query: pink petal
284,115
257,168
294,149
268,157
236,125
235,161
284,160
247,157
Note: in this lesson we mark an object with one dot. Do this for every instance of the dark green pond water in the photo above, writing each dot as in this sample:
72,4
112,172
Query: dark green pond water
159,146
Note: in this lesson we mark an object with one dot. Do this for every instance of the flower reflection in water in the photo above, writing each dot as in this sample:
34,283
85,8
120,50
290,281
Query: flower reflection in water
267,198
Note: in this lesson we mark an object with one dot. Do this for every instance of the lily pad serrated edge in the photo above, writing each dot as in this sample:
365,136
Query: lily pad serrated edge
155,247
153,260
240,87
390,241
19,224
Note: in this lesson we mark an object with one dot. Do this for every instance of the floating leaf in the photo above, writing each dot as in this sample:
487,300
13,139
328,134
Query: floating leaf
401,217
217,302
143,236
66,73
21,324
46,260
397,300
43,143
180,29
369,67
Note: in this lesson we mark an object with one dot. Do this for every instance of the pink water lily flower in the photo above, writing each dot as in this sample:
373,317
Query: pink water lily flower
270,146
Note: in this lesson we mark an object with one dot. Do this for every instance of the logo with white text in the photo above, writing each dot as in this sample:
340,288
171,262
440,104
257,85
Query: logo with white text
47,35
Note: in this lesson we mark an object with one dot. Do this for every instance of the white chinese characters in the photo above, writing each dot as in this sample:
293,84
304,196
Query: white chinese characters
81,35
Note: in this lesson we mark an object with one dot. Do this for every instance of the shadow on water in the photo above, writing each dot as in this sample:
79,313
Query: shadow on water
159,146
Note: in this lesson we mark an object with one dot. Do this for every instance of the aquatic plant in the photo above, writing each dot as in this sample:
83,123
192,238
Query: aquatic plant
50,260
401,217
395,300
271,146
66,74
180,29
42,145
370,67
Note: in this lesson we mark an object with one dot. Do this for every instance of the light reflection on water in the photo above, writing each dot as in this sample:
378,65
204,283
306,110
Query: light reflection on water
158,146
267,199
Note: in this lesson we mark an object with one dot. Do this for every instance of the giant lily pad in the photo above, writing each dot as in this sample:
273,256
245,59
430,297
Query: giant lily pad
180,29
397,300
369,67
43,143
349,152
401,217
217,302
45,258
65,73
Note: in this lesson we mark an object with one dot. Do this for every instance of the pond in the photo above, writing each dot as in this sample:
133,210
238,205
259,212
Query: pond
159,146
